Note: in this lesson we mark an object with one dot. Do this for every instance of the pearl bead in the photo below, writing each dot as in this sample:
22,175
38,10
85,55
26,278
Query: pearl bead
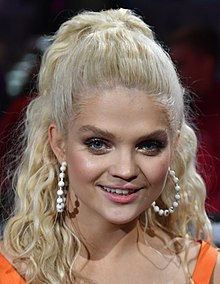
156,209
177,196
61,183
62,168
59,200
61,175
175,179
60,206
59,192
177,188
171,210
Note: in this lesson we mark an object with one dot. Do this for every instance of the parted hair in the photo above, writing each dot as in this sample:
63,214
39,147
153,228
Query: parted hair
95,51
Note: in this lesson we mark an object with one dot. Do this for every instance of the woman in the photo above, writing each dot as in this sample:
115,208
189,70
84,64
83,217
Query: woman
107,188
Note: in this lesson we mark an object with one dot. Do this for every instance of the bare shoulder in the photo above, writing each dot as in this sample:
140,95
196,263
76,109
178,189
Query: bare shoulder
190,254
4,252
2,248
216,275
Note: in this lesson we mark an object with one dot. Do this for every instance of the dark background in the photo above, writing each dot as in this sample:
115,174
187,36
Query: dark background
23,21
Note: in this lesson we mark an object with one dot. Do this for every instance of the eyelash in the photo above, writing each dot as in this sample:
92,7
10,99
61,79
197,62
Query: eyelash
154,146
94,149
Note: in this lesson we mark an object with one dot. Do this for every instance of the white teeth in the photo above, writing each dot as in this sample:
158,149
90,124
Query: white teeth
117,191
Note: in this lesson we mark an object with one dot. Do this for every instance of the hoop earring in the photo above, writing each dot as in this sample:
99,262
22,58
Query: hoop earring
61,192
170,210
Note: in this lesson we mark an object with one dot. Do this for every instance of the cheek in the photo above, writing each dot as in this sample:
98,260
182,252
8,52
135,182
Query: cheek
156,172
161,172
81,168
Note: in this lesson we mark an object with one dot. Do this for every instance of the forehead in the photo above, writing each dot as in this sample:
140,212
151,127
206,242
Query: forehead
121,110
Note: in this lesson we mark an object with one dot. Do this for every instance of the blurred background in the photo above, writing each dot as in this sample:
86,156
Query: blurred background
190,30
24,22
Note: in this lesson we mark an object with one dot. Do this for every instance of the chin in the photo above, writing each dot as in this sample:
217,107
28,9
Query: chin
122,219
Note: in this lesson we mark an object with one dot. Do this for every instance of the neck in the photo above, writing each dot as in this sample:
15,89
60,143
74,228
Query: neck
100,238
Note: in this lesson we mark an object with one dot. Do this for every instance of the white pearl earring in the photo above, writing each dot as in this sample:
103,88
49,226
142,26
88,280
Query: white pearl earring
170,210
61,192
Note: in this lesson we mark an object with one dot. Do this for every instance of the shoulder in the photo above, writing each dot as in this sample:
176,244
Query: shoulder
190,254
4,254
216,274
8,274
207,268
202,261
5,265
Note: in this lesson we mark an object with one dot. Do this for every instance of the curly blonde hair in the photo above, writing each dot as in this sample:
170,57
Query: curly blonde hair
95,50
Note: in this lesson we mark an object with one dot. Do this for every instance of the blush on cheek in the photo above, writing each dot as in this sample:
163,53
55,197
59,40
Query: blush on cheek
159,173
82,168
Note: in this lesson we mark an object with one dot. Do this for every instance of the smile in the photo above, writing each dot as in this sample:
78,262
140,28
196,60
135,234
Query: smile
119,191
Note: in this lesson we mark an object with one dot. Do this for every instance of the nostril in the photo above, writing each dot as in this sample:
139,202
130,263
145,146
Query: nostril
127,175
125,165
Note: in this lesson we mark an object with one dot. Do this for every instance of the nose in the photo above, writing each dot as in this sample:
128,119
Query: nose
125,166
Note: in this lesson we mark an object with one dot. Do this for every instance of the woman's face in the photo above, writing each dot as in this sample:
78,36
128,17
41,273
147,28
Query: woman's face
118,150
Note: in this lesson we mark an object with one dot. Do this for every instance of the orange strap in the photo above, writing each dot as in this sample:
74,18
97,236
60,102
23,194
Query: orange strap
8,275
205,264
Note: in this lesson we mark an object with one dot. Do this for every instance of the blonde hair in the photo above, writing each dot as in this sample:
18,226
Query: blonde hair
95,50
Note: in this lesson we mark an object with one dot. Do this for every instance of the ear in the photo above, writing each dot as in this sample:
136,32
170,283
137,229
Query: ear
57,143
176,137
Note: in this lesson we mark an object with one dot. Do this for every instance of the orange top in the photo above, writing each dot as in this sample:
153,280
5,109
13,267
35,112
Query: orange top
8,275
205,264
202,274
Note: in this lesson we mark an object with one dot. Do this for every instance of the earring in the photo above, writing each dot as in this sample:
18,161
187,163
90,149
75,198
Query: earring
61,192
170,210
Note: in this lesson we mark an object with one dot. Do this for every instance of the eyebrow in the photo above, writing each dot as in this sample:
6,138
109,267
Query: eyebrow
156,134
99,132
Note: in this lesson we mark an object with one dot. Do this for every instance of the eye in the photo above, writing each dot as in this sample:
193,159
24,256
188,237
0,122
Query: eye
97,145
151,147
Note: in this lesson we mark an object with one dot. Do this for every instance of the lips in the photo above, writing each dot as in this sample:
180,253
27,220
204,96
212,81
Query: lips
119,190
121,194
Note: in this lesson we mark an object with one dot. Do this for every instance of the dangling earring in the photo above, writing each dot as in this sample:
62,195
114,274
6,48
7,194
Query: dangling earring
175,204
61,192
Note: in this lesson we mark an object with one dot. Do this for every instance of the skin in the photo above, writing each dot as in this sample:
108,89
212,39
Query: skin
121,145
125,146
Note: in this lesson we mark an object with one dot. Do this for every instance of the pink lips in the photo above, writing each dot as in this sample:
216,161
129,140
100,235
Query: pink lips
119,194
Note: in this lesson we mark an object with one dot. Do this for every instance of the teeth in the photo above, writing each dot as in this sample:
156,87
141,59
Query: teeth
117,191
